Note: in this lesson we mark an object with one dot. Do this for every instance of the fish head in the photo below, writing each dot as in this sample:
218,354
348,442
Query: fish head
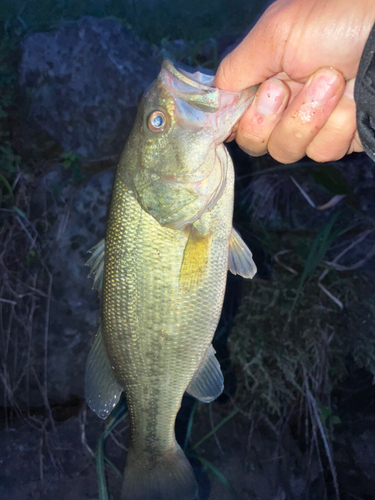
181,124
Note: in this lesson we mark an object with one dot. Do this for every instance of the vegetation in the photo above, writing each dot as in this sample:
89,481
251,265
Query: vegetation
294,341
299,335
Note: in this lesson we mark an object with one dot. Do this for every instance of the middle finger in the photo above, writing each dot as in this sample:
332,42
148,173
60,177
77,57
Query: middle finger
306,115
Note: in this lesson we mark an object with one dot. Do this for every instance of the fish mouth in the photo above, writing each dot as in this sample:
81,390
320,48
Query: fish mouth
203,117
198,100
204,110
196,80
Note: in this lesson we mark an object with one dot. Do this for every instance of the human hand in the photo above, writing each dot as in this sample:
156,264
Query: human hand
306,53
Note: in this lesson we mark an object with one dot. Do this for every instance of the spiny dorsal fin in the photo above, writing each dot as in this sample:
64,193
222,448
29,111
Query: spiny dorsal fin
96,262
102,391
240,257
208,382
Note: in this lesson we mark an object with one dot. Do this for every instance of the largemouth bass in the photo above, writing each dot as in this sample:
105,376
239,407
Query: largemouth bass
161,273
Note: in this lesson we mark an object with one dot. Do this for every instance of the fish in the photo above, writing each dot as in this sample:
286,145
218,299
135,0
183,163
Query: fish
161,273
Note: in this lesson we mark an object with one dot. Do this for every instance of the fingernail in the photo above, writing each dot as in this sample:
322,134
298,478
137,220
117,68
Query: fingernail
321,86
251,152
270,98
349,88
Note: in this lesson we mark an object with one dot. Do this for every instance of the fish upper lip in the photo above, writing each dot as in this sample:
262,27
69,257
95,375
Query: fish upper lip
212,103
184,80
186,77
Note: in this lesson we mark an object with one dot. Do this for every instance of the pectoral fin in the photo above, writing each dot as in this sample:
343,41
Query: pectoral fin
195,260
96,262
240,257
208,382
102,391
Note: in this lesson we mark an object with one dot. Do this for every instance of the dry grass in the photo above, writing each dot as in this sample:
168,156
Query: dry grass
292,344
25,298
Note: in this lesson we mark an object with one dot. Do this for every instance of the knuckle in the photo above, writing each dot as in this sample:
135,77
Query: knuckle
225,74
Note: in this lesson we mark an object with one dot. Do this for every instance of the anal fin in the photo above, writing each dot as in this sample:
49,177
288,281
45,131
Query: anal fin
240,257
208,382
102,391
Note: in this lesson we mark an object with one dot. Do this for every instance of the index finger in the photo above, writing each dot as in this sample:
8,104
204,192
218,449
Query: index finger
255,59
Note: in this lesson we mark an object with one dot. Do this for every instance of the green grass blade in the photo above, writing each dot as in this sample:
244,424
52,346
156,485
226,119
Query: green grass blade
18,211
190,425
220,476
216,428
6,184
117,416
318,249
112,466
102,484
334,182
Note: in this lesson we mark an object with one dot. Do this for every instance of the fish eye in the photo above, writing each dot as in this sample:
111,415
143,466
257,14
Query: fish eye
157,121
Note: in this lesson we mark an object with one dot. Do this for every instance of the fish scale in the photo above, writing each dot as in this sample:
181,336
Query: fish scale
168,247
163,319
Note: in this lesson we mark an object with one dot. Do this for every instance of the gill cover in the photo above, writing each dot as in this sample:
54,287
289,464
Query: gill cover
182,164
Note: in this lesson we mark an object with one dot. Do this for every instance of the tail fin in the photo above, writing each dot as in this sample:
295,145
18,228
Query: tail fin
170,477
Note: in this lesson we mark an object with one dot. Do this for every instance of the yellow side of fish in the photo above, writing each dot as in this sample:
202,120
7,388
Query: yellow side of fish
168,247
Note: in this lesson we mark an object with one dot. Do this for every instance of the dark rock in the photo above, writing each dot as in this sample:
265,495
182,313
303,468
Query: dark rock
85,81
77,215
176,50
75,308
